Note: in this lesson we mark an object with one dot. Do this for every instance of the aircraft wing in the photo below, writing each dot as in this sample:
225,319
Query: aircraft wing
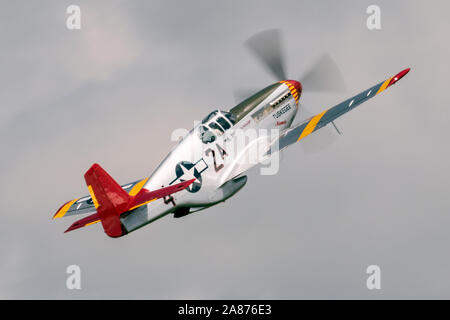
85,204
322,119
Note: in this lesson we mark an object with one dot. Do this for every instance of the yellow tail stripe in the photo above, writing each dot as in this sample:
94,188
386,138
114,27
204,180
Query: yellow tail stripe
88,224
311,125
139,205
384,85
94,199
65,208
137,187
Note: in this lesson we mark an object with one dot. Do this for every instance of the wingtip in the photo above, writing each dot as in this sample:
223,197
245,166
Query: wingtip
401,74
404,72
398,76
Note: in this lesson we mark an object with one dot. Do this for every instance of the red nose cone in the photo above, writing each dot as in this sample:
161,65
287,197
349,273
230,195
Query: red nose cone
297,85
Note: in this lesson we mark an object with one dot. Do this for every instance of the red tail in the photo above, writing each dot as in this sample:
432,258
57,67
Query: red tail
111,200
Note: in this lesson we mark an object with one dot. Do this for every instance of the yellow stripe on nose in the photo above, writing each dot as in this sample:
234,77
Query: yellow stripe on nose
311,125
291,89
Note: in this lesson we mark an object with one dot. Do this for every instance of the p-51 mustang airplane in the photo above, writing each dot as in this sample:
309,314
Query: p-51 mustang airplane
201,171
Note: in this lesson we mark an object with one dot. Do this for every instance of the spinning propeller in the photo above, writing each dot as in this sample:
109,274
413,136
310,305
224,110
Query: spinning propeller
322,76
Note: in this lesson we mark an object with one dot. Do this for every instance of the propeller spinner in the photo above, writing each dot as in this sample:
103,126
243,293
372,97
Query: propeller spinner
322,76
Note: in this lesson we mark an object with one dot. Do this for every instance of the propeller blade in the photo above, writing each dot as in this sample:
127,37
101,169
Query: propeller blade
323,75
267,47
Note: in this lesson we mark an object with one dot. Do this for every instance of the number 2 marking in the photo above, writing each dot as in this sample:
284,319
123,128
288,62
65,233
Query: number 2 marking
222,153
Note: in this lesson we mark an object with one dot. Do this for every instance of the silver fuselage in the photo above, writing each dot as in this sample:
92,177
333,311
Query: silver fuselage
218,165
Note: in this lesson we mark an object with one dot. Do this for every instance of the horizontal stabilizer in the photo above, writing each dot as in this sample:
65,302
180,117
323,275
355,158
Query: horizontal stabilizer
85,205
111,200
144,196
86,221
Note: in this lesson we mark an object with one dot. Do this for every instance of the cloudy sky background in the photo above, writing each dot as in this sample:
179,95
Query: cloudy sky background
114,91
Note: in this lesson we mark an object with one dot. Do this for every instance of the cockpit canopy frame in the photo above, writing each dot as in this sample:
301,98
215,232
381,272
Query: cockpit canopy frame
215,124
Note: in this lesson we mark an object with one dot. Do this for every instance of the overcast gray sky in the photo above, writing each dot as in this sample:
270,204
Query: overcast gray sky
113,92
